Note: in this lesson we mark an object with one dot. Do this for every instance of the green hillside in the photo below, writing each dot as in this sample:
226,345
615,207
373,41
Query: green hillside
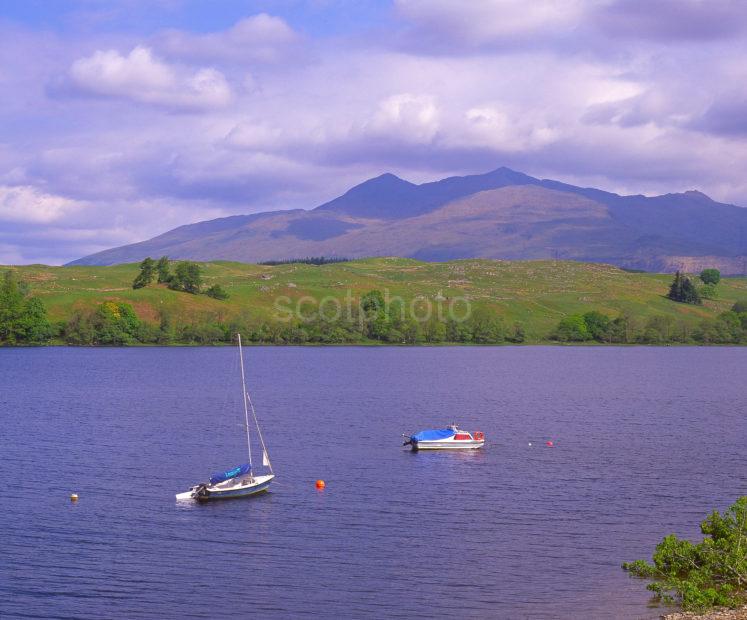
536,294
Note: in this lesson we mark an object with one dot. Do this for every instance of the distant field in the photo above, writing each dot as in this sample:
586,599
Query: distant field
536,293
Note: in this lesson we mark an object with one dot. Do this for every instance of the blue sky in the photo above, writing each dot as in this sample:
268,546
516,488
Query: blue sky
142,17
121,120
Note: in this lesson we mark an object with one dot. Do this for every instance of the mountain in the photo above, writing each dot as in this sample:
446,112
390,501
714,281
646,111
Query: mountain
500,214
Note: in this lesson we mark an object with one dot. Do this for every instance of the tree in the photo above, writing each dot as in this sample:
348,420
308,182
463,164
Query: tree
698,576
79,329
572,329
372,302
598,325
683,290
146,275
23,319
217,292
710,276
739,307
187,277
486,327
115,324
162,269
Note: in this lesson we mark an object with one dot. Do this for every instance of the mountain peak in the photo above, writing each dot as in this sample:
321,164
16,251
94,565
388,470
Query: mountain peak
509,175
694,193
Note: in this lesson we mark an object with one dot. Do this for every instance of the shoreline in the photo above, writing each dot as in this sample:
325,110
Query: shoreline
716,614
425,345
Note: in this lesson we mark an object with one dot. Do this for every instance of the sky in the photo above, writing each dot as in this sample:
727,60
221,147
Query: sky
120,120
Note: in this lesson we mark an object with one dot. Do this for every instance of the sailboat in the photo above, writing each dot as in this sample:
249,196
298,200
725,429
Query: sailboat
241,480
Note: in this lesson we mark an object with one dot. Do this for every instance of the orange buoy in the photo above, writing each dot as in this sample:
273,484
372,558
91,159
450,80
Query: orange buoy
73,497
320,484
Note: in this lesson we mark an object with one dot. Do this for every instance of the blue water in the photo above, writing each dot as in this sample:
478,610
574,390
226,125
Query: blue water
647,441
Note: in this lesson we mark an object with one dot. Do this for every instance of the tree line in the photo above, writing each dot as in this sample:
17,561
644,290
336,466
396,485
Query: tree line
309,260
727,328
369,321
23,320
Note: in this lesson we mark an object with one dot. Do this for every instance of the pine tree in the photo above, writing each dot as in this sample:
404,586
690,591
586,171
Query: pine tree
675,290
689,292
683,290
146,275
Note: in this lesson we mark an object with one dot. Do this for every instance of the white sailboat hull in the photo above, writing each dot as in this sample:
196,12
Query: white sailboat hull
230,489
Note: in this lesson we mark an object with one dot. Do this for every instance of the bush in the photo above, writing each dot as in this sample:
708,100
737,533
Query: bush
708,291
710,276
698,576
572,329
217,292
115,324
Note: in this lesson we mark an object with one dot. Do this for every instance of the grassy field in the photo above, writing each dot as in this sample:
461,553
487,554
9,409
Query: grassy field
536,293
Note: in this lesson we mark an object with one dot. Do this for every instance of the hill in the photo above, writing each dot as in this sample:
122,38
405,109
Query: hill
536,294
502,214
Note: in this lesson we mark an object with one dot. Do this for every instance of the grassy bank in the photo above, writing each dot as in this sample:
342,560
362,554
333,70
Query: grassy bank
534,294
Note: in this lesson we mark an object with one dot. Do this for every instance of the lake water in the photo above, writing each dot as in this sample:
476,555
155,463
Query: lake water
647,441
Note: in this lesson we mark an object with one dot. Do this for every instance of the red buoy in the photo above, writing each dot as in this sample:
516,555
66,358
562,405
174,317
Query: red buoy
549,444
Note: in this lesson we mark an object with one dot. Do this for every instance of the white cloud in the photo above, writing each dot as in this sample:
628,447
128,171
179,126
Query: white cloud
142,77
24,203
406,116
259,38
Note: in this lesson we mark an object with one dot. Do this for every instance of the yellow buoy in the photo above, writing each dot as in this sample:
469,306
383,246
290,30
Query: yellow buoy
74,497
320,484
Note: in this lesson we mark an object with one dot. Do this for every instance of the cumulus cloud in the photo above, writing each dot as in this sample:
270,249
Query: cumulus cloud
140,76
259,38
28,204
405,116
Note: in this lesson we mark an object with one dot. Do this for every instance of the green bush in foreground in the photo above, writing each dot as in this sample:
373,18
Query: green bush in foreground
710,573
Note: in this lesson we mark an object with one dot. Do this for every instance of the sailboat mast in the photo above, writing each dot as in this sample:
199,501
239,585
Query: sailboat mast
246,406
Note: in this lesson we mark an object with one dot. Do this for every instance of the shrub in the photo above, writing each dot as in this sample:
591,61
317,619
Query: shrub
710,276
572,329
217,292
703,575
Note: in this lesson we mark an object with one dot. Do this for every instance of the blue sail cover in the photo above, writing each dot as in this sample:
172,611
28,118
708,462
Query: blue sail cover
433,435
231,473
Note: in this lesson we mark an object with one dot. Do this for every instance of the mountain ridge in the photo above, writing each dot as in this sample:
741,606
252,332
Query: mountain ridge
387,215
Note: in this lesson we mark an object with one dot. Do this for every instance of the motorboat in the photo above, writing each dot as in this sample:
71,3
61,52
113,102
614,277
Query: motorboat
449,438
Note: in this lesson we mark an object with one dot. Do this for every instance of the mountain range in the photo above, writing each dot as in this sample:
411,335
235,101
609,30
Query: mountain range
502,214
